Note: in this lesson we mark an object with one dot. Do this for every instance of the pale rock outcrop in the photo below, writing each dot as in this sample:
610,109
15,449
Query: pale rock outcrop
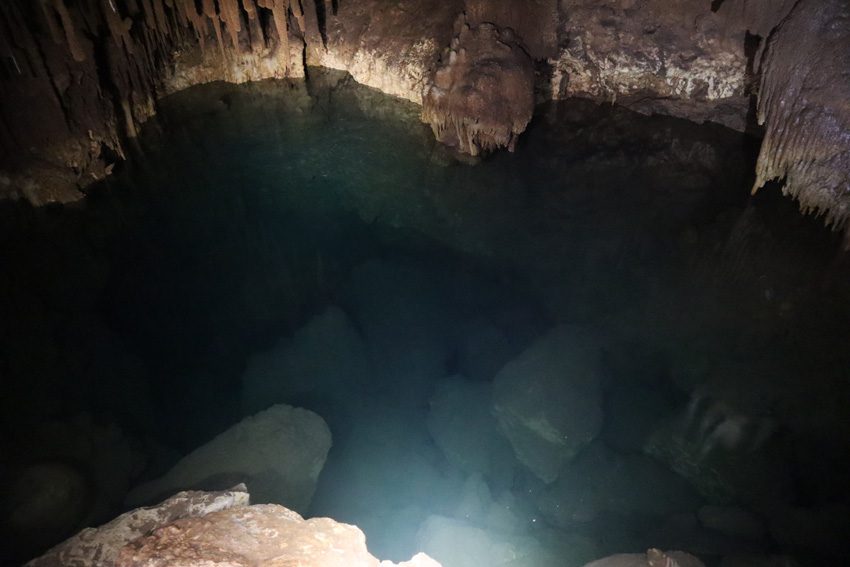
218,528
482,95
102,546
278,453
548,400
262,534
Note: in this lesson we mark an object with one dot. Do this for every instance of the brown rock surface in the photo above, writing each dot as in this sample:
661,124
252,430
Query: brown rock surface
218,528
482,96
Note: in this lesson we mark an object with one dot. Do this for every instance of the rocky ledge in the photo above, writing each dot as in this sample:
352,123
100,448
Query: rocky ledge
78,79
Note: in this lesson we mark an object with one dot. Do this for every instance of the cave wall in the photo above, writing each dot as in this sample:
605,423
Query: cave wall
78,78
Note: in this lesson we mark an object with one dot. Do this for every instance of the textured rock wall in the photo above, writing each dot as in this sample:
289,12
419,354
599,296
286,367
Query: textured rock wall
78,79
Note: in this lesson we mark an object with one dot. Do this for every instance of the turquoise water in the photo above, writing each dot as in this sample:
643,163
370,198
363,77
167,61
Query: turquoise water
243,212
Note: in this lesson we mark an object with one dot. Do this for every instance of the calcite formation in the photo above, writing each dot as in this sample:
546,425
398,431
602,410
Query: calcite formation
79,78
482,95
802,102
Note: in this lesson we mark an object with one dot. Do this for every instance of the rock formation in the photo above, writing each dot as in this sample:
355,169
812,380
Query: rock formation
278,453
194,528
482,95
78,79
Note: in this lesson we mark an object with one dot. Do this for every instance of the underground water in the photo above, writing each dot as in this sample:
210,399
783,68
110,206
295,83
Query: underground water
611,283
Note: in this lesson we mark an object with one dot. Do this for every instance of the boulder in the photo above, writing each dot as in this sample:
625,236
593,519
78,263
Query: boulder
263,534
102,546
278,453
466,432
599,481
218,528
325,359
548,400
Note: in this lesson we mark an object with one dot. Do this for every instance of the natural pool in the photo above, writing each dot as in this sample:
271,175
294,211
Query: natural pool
309,243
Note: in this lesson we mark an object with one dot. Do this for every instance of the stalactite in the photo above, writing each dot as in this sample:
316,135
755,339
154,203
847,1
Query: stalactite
803,108
279,15
210,12
120,29
52,25
161,19
74,46
231,17
178,11
150,19
196,20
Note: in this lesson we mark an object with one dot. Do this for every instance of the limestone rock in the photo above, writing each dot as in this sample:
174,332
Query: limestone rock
482,96
218,528
803,107
599,481
265,534
102,546
466,432
326,358
278,453
548,400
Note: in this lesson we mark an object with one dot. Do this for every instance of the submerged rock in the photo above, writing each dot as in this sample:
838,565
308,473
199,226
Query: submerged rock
278,453
325,359
548,400
482,96
467,433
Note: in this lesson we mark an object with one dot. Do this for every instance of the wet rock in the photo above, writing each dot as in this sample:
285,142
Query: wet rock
467,433
326,359
278,453
599,482
102,546
652,558
548,400
482,96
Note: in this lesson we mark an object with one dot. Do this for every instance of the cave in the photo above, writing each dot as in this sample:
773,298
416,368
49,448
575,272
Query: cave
555,283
